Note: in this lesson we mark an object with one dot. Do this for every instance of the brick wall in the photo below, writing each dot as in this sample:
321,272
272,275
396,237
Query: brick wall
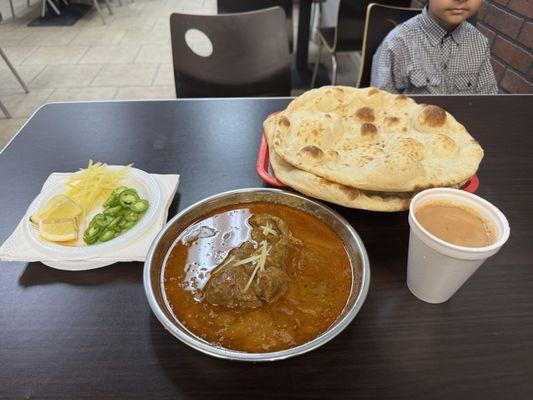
508,24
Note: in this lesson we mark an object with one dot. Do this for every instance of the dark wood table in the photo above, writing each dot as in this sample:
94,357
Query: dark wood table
68,335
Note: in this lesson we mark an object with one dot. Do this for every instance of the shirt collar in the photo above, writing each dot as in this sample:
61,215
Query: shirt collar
436,33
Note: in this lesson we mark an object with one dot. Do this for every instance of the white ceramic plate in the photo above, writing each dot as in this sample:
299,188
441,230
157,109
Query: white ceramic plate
146,186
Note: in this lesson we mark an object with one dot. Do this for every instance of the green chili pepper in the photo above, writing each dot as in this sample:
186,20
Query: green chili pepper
112,201
90,235
115,222
129,225
140,206
99,220
128,197
106,235
120,190
114,211
90,240
92,231
131,215
121,212
92,223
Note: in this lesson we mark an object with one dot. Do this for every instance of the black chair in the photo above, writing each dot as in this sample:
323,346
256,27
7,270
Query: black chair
250,55
380,20
238,6
347,35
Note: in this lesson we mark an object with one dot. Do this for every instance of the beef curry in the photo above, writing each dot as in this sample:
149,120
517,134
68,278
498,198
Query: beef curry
257,277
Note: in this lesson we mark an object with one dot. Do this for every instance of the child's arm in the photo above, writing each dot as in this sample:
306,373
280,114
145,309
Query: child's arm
389,66
486,83
382,75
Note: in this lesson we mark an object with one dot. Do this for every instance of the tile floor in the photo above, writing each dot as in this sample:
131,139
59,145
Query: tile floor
128,58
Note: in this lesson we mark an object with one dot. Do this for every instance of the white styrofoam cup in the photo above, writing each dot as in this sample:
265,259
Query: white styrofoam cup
436,269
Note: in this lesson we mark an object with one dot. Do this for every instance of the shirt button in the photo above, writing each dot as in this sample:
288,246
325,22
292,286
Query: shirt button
469,84
445,66
427,80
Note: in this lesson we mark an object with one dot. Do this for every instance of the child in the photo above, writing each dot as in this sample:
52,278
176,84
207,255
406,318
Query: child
436,52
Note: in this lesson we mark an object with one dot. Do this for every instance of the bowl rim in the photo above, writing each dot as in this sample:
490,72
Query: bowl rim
221,352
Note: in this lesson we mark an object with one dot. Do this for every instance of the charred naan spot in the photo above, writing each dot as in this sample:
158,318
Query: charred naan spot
401,97
433,116
332,154
410,148
328,116
373,91
418,188
351,193
361,161
312,151
365,114
390,121
369,129
284,121
443,146
404,129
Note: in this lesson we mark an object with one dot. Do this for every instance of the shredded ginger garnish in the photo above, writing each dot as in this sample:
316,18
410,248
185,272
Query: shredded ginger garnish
260,260
260,264
94,183
268,230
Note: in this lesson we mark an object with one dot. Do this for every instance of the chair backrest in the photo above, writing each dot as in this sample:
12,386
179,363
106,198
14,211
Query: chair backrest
351,14
380,20
236,6
250,55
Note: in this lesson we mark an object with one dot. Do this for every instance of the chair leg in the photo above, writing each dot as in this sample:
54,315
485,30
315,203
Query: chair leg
4,110
28,3
95,2
12,8
12,68
334,72
108,7
317,63
54,7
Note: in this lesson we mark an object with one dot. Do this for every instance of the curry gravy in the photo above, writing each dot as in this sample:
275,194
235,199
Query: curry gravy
456,224
319,270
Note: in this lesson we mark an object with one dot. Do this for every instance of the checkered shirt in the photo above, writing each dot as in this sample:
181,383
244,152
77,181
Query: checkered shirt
420,57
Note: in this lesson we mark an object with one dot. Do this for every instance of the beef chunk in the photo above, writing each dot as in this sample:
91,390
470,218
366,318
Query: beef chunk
271,284
228,285
227,289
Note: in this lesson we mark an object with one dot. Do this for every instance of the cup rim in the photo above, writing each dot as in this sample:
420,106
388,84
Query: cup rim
472,250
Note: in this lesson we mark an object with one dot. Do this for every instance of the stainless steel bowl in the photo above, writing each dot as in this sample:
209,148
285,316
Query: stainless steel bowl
163,242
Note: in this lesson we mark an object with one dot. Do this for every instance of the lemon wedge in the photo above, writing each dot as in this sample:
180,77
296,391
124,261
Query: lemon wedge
60,206
58,229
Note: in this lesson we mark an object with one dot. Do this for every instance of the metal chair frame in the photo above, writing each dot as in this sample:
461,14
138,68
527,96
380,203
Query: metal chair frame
17,76
365,50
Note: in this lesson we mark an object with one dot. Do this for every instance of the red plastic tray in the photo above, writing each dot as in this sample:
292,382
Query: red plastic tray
266,174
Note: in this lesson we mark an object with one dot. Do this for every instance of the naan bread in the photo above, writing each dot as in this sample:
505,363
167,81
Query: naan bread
373,140
346,196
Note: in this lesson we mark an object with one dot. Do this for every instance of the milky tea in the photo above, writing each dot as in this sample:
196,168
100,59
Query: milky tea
456,224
